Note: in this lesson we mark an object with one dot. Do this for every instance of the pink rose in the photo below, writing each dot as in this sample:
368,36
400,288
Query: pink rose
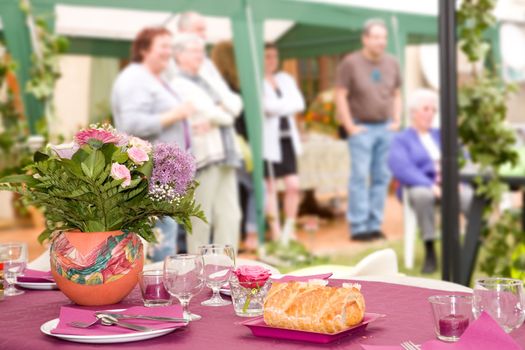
140,143
119,172
251,276
137,155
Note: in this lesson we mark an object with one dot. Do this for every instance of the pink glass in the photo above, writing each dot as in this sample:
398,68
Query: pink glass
452,315
152,287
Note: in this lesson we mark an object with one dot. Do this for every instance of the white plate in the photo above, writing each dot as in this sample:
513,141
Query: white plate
38,285
47,327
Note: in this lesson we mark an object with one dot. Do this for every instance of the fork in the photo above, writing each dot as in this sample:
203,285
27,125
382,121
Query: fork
408,345
79,324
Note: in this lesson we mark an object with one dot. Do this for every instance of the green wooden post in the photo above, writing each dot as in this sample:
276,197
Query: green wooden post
18,44
247,35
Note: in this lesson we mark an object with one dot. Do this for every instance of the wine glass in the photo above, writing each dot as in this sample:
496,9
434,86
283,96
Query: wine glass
501,298
14,258
184,278
219,260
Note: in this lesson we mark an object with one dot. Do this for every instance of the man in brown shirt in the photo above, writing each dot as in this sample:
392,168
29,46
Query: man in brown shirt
368,102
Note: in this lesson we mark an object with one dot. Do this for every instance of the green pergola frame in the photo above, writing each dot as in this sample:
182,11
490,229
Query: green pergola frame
247,18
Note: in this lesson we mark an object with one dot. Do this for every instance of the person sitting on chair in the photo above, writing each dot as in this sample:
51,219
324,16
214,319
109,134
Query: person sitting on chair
414,160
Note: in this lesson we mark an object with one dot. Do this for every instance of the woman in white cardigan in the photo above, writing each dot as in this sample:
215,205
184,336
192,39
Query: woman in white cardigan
213,144
282,145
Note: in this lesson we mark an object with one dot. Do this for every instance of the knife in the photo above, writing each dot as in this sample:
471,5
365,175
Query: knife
143,317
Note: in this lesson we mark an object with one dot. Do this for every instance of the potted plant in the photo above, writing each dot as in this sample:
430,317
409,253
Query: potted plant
100,193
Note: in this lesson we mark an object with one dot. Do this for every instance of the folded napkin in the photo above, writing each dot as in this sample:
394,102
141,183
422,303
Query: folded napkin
73,313
289,278
36,276
484,333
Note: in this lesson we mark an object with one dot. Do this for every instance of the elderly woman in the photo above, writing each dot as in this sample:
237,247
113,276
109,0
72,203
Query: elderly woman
414,160
213,144
145,106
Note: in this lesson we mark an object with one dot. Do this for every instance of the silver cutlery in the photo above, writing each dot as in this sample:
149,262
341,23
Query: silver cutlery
78,324
112,321
408,345
143,317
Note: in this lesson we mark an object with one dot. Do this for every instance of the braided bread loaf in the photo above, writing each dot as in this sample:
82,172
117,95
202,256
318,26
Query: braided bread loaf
313,306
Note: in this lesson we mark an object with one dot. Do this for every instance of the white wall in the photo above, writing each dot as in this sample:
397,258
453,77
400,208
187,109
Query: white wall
72,95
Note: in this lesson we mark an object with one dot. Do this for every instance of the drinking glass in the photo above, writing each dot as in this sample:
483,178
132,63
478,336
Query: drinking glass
14,258
502,299
219,260
152,287
184,278
452,314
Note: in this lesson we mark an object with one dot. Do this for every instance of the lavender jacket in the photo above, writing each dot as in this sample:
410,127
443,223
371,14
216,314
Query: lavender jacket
409,161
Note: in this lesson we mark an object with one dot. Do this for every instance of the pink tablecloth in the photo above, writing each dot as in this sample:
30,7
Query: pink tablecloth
408,317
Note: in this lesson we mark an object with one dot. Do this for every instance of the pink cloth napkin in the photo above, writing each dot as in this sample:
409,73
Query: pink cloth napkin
72,313
484,333
36,276
289,278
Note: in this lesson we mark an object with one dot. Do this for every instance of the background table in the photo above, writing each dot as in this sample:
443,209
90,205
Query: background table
408,317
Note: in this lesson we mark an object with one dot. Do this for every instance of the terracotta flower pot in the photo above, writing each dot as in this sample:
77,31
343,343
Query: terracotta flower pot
96,268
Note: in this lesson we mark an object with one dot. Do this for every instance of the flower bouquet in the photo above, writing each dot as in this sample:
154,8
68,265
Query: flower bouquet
99,193
321,116
249,286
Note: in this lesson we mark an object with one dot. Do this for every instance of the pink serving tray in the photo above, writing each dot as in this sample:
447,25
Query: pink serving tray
261,329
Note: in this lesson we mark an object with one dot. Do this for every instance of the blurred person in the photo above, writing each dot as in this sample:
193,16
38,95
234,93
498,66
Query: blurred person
282,100
368,101
192,22
144,105
213,145
224,59
414,160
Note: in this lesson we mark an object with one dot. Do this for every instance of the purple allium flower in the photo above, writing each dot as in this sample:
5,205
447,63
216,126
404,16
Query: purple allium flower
172,168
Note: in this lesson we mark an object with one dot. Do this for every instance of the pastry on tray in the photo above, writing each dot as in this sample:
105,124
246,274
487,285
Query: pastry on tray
313,306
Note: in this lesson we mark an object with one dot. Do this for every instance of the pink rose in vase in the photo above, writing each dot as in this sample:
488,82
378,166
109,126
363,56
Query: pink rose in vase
137,155
252,276
119,172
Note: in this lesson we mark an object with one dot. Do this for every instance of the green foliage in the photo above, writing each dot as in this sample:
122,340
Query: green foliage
14,151
482,112
45,58
294,254
504,248
80,193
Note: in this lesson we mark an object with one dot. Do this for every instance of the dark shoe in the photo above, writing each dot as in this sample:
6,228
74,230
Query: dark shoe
363,237
378,235
429,267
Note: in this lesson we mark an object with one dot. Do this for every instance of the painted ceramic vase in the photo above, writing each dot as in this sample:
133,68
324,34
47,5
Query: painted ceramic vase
96,268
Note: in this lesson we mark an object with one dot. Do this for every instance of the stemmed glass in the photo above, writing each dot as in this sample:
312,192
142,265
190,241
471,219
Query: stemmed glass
14,258
184,278
219,260
501,298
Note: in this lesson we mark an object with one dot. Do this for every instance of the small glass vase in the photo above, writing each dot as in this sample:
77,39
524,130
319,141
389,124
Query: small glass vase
248,302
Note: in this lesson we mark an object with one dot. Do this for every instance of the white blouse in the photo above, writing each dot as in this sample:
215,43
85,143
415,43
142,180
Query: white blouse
286,105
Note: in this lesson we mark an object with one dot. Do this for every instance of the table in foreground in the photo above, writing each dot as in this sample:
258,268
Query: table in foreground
408,317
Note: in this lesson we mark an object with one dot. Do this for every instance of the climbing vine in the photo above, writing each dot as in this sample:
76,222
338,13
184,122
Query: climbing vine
490,144
47,47
14,152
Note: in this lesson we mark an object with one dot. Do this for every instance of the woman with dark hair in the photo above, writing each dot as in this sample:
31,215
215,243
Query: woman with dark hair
282,100
145,106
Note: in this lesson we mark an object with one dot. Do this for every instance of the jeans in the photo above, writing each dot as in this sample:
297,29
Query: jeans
167,239
369,177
